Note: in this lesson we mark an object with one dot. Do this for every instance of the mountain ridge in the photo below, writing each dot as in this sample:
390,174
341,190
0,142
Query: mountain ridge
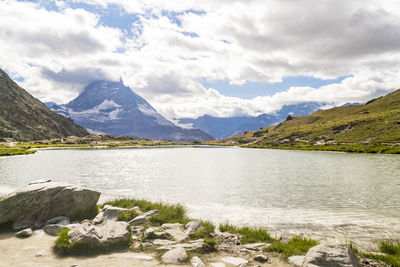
23,117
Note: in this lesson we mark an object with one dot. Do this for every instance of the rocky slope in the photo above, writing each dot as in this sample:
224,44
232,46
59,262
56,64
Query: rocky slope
24,117
376,122
111,108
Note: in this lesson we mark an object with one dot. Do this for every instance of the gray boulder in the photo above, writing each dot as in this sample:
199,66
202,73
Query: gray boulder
106,235
176,255
59,220
54,229
24,233
143,218
39,202
108,213
197,262
331,255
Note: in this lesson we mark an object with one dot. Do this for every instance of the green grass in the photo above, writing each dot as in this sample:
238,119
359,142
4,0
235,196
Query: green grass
15,150
249,234
210,244
169,213
295,246
392,253
64,247
206,231
126,216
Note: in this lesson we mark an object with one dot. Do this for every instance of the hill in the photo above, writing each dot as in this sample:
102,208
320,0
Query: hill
372,127
108,107
23,117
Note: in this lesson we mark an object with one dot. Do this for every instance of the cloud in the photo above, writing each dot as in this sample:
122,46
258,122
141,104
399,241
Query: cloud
174,45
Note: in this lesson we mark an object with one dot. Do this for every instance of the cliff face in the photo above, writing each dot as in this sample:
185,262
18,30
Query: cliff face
24,117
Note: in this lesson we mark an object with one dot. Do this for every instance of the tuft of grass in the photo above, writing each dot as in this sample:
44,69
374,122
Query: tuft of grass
206,231
392,251
169,213
126,216
210,244
295,246
249,234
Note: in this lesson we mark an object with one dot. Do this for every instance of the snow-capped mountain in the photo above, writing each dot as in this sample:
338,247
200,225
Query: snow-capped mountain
222,128
113,108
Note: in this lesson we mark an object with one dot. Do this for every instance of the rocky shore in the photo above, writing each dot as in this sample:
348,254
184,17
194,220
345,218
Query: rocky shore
60,225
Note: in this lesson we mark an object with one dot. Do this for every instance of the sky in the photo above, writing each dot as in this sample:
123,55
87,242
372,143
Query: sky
218,57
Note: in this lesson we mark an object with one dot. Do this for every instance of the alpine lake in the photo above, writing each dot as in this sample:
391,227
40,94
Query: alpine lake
344,197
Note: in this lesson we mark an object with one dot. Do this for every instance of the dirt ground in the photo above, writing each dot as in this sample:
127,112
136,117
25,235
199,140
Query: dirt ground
36,251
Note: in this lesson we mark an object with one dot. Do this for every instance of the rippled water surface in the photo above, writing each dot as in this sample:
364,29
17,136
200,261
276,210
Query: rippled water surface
321,194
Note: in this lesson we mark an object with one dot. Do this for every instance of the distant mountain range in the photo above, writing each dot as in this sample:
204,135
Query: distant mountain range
225,127
23,117
373,124
109,107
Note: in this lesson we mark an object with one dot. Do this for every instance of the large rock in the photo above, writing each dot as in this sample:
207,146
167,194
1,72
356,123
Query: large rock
108,213
331,255
105,235
143,218
235,261
36,203
176,255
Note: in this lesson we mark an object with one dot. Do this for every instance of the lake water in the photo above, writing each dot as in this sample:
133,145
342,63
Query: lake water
334,196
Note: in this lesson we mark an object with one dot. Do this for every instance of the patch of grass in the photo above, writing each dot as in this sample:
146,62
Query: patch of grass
392,251
295,246
126,216
169,213
249,234
64,247
15,150
210,244
206,231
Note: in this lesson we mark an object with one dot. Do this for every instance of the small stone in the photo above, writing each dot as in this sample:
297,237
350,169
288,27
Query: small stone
197,262
162,242
108,213
176,255
59,220
296,260
41,253
191,227
235,261
255,246
24,233
261,258
147,244
54,229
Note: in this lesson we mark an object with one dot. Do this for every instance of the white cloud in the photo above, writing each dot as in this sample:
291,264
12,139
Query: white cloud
58,52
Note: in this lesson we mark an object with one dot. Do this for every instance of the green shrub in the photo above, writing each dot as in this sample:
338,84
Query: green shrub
295,246
249,234
210,244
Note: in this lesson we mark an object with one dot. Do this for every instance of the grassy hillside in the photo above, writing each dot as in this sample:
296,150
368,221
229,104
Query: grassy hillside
373,127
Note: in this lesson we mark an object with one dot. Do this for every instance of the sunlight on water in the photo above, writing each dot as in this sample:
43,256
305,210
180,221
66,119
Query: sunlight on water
321,194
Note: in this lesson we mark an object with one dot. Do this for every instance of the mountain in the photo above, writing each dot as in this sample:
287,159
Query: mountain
225,127
112,108
24,117
376,122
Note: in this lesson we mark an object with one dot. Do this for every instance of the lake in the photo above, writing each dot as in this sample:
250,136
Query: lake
326,195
